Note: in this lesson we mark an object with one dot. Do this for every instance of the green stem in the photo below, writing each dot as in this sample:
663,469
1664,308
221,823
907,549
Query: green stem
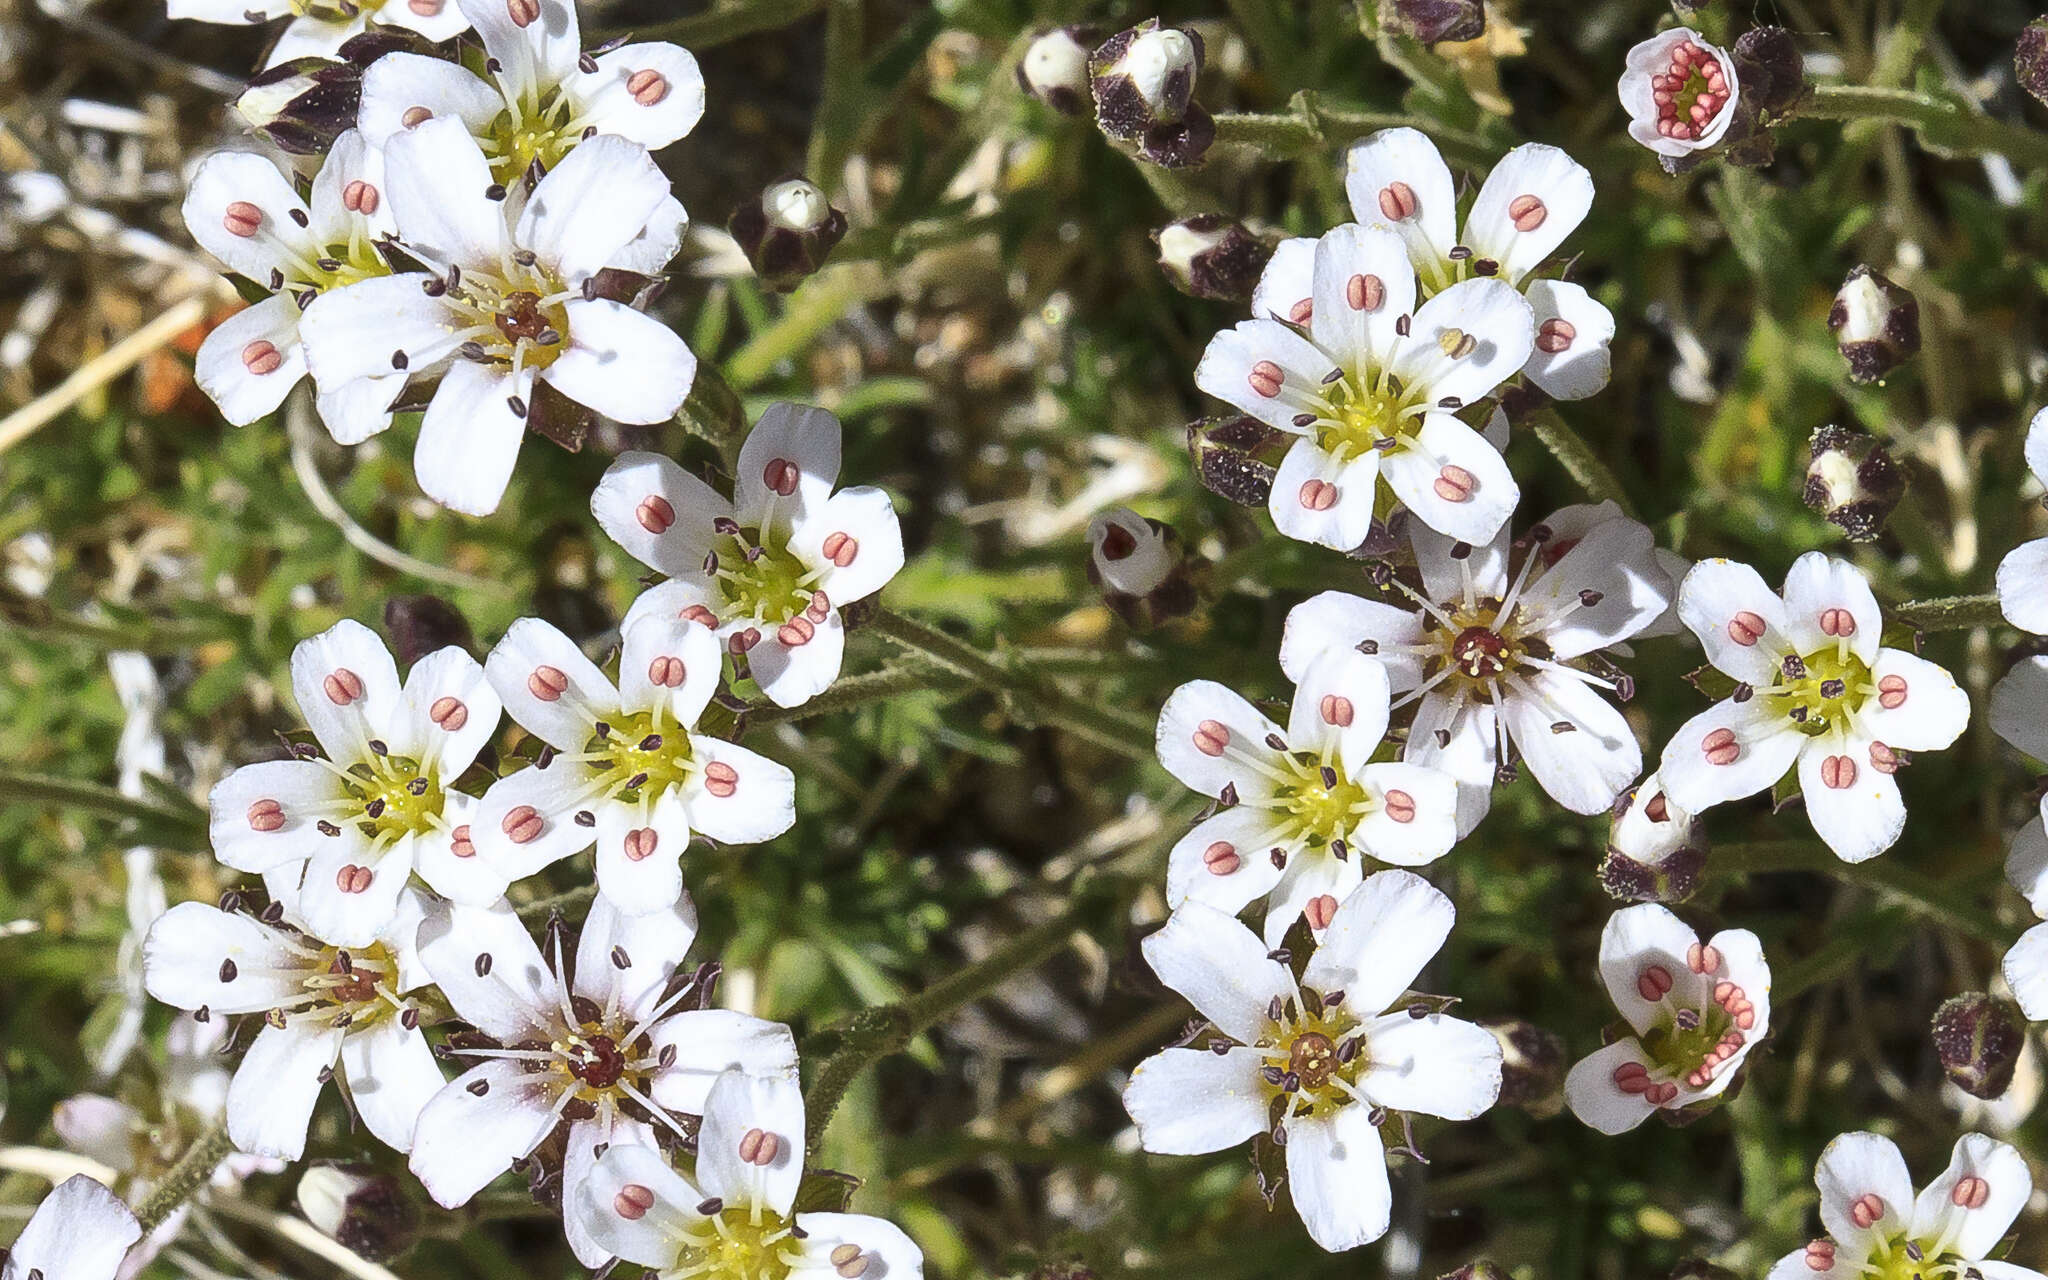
148,636
1943,124
868,687
1950,613
727,21
185,1178
1309,126
1578,458
565,902
818,303
68,793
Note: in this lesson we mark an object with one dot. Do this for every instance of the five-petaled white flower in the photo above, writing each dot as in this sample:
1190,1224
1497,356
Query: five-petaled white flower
2019,714
769,570
1368,385
544,95
319,28
1697,1008
2023,574
1876,1226
735,1218
322,1005
244,212
1321,1061
381,803
1814,689
1304,807
1679,92
606,1051
506,305
1494,652
1535,197
80,1231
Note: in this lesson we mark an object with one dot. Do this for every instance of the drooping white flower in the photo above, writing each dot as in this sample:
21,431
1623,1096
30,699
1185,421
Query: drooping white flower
1679,91
80,1231
2023,574
1323,1060
243,211
1127,553
769,570
1697,1009
330,1012
1367,384
2019,714
508,303
1814,690
381,803
735,1218
606,1051
543,96
1304,806
1876,1226
319,28
1496,653
1534,198
626,770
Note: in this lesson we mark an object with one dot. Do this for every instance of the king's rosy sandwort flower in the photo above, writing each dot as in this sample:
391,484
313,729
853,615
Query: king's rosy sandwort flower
381,803
600,1046
2019,714
80,1231
243,211
735,1218
1534,198
1697,1008
1320,1063
624,767
1496,653
507,304
2023,574
1679,92
769,570
1368,385
323,1006
319,28
1303,807
1876,1226
1814,689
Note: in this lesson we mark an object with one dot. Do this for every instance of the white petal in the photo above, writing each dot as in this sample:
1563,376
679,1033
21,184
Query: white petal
792,445
1205,734
1405,156
535,57
793,673
885,1251
1316,498
1460,738
669,663
515,996
757,802
1818,587
1490,492
451,711
437,20
1224,861
591,205
1720,601
2019,706
79,1232
659,513
1636,939
1337,1174
649,252
1287,287
1585,768
1766,746
1340,620
1616,561
1187,1102
653,944
352,160
2023,586
1447,563
234,178
1239,366
242,806
469,439
391,1076
650,1236
534,655
1590,1091
672,106
1352,264
739,1107
1311,873
2036,447
1382,935
1856,1165
357,410
1493,314
584,1143
270,1102
248,364
2026,865
1220,966
353,917
1863,814
464,1140
2025,969
1972,1233
353,332
658,833
872,551
184,957
627,365
1563,190
711,1042
312,36
100,1127
437,179
347,689
1435,1065
1430,830
1340,709
399,81
1931,711
1581,364
556,795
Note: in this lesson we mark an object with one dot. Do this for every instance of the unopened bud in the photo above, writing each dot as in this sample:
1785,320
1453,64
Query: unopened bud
1852,481
1655,850
2030,58
1138,566
787,233
1212,256
1532,1066
367,1211
304,104
1978,1037
1480,1270
1224,452
1876,324
1144,83
421,624
1773,70
1054,69
1430,21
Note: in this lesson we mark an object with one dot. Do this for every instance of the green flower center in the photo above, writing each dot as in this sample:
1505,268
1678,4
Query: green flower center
1324,803
640,756
740,1242
540,132
1822,690
399,796
1683,1042
1363,415
761,578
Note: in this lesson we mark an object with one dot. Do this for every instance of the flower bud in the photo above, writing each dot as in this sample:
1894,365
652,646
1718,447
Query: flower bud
1655,850
419,625
2030,58
1054,69
1532,1066
1144,84
1138,566
367,1211
1876,324
788,233
1852,481
1483,1269
1223,449
303,104
1212,256
1978,1037
1430,21
1772,68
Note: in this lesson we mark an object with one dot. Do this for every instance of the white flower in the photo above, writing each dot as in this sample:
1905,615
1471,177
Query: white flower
2019,714
1127,553
769,570
1367,385
735,1218
626,769
1679,92
319,28
508,304
1876,1226
602,1051
381,804
544,97
246,213
2023,574
1535,197
1649,828
323,1005
1304,806
1697,1010
79,1232
1814,690
1494,653
1318,1060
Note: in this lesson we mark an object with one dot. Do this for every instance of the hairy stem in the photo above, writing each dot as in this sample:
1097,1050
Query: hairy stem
1942,123
92,797
185,1178
1579,458
1950,613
